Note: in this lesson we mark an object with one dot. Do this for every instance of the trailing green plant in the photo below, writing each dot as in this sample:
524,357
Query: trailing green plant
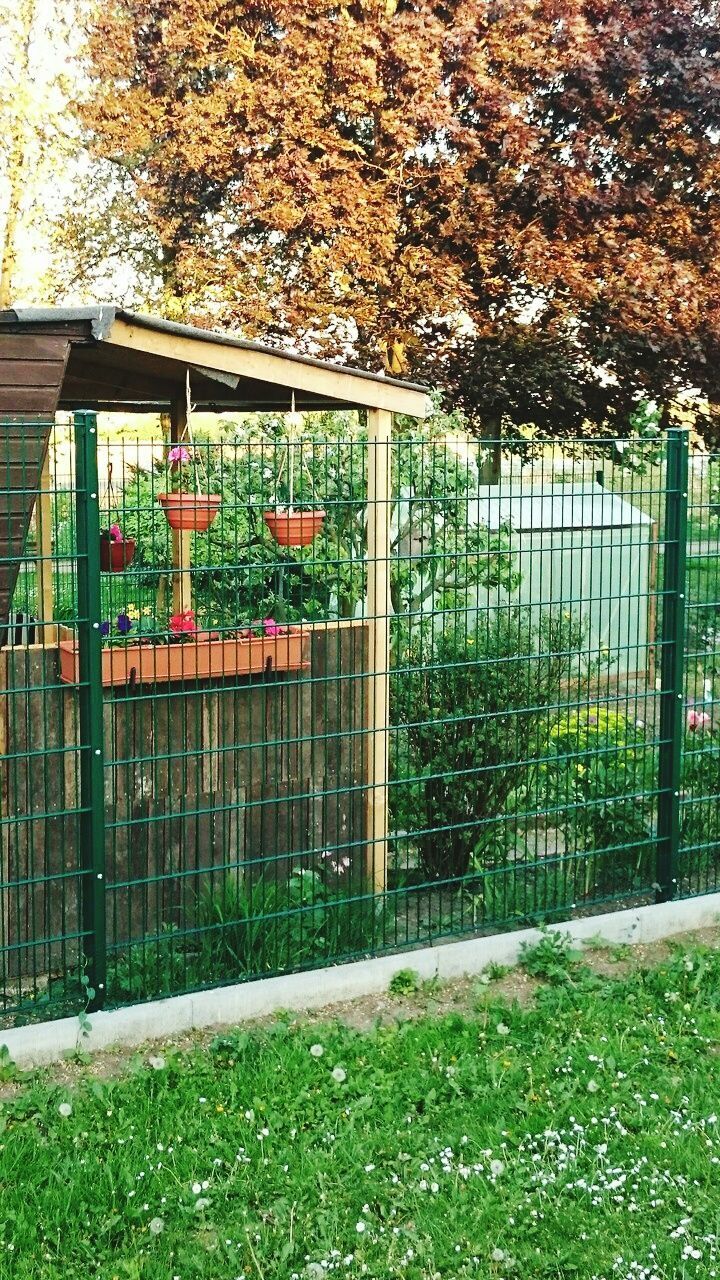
472,700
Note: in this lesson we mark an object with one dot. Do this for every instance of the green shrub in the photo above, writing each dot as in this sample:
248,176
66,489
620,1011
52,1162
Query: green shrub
473,704
598,780
700,812
157,967
244,928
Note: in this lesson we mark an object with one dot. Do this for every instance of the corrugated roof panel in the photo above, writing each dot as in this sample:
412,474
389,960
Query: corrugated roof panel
534,509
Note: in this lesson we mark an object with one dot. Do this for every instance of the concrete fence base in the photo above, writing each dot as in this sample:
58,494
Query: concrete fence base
225,1006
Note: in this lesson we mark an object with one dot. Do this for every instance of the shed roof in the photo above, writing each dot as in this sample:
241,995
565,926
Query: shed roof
555,506
104,357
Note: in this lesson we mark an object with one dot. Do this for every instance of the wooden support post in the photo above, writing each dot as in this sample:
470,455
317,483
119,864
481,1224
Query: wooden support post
181,578
44,564
379,504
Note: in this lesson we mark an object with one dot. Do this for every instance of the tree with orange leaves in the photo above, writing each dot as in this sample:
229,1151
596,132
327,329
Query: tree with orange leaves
517,199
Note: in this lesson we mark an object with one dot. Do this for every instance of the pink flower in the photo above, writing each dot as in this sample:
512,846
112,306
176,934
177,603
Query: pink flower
115,532
183,622
271,627
697,719
178,454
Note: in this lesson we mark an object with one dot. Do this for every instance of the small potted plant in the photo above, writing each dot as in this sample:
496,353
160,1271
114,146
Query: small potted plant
116,551
187,507
293,526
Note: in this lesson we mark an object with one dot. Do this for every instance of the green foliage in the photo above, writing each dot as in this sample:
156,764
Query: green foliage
240,573
472,700
251,927
8,1068
404,983
551,959
150,968
244,928
597,780
700,810
519,891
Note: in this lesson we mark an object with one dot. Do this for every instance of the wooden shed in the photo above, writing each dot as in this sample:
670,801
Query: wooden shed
78,769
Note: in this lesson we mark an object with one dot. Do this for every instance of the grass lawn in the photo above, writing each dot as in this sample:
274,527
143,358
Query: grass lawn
574,1135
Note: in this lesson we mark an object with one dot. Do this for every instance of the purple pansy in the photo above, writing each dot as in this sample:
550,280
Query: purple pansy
124,624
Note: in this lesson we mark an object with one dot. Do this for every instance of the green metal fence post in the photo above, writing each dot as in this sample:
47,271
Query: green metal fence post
672,663
92,793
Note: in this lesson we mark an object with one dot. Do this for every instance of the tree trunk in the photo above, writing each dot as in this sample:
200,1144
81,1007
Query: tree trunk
16,153
490,433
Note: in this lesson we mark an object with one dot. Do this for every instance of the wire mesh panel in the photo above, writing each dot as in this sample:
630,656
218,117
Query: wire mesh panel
280,691
41,930
525,657
699,863
235,671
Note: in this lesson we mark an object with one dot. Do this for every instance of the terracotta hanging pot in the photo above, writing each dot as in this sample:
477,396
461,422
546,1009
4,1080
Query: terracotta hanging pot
190,510
116,554
293,528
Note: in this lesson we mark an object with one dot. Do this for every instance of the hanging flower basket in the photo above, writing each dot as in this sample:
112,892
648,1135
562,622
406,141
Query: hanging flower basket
190,510
116,551
292,528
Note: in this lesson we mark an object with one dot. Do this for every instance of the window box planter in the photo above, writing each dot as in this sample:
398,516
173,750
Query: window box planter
201,658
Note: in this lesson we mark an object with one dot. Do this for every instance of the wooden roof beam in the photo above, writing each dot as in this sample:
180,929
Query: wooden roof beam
337,385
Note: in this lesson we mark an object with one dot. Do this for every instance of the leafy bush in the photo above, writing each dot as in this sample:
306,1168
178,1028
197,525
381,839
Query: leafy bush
472,701
700,813
598,780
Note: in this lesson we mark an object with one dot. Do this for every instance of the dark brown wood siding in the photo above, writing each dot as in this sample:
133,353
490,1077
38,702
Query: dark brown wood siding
32,367
255,779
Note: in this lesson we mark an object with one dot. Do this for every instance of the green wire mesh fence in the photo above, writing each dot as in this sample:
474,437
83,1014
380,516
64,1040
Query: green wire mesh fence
194,723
